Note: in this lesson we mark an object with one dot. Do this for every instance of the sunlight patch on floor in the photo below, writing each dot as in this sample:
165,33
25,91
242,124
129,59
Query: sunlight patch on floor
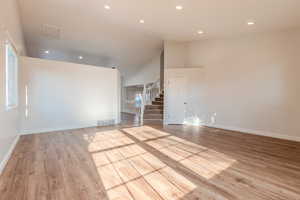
107,140
143,133
201,160
130,172
194,120
141,176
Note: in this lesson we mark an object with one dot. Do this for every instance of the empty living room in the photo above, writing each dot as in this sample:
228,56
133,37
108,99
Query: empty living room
149,100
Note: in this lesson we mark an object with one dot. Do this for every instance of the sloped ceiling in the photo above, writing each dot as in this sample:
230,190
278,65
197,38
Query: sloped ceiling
116,38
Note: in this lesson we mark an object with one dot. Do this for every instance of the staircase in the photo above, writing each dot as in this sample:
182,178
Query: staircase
153,114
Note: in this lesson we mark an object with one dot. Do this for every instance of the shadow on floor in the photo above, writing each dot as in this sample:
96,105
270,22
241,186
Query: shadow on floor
151,162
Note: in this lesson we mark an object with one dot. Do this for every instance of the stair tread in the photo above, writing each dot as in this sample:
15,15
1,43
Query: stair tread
159,118
153,116
153,113
154,106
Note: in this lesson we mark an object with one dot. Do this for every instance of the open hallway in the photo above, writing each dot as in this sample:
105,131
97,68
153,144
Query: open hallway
151,162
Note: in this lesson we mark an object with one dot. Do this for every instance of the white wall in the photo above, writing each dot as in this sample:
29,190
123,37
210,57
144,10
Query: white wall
64,95
194,83
150,72
9,21
249,83
175,54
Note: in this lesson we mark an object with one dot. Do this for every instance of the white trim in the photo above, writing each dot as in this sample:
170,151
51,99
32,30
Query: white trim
48,130
10,46
8,154
256,132
129,112
88,124
9,39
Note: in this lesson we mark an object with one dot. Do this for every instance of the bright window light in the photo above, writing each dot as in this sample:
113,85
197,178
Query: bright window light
11,76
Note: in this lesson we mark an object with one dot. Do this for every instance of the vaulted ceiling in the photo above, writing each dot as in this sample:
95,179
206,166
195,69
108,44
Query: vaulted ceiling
115,36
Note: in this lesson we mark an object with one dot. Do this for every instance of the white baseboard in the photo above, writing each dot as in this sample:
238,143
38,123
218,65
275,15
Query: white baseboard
8,154
87,124
256,132
129,112
47,130
30,131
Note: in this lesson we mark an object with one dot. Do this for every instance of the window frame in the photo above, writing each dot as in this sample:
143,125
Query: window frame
10,48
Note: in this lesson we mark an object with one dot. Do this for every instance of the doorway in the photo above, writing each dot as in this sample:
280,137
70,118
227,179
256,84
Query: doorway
176,99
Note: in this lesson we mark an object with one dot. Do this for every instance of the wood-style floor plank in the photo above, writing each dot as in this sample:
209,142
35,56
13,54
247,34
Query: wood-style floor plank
141,165
126,171
155,163
165,188
140,189
119,193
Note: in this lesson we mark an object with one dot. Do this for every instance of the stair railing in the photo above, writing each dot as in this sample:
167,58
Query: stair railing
150,92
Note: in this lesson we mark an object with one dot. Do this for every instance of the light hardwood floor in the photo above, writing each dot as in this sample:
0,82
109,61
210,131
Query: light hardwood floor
155,163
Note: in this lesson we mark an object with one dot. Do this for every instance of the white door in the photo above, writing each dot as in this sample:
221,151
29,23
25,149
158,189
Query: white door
176,96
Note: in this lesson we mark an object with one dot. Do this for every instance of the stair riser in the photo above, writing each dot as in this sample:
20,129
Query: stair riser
154,107
153,112
151,116
157,121
157,103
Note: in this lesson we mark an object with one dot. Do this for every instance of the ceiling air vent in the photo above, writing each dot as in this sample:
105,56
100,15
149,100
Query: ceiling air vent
50,31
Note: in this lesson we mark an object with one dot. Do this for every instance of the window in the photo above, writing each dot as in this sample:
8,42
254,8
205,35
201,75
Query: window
11,76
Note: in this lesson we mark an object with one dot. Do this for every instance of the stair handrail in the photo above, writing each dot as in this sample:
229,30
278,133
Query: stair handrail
150,92
143,105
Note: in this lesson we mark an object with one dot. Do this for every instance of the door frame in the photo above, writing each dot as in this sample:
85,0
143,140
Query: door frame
167,93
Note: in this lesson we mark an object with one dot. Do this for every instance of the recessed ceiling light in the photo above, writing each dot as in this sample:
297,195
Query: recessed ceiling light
200,32
80,57
107,7
250,23
179,7
142,21
47,52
